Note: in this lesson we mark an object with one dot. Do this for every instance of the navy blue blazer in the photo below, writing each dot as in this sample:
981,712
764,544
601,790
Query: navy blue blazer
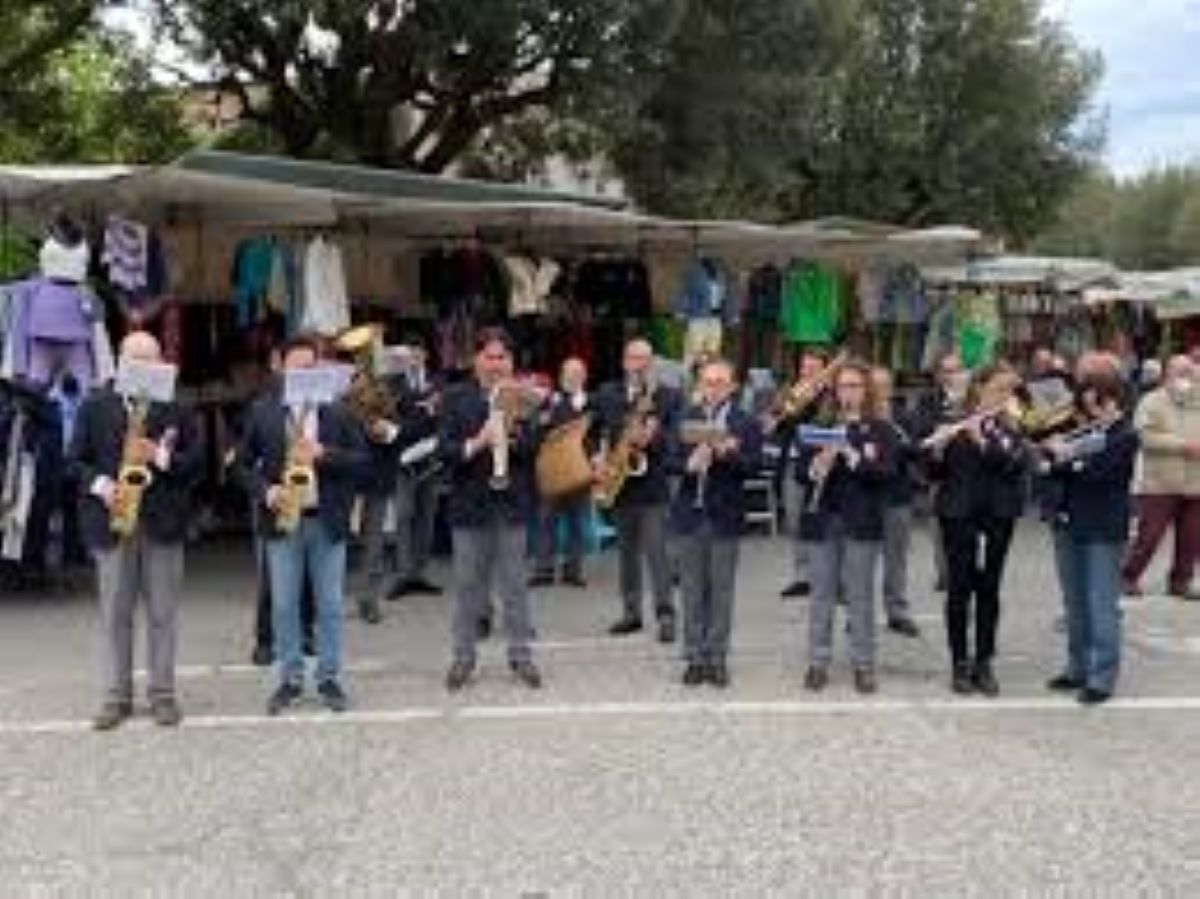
981,482
96,449
724,506
341,473
472,502
857,496
1094,504
612,407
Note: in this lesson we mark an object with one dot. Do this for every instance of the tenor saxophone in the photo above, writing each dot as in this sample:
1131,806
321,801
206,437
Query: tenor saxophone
625,459
133,478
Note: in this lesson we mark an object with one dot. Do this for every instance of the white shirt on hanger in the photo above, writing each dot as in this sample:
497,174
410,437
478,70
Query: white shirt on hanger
326,300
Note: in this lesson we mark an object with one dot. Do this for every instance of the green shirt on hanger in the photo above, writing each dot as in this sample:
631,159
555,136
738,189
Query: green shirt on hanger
811,311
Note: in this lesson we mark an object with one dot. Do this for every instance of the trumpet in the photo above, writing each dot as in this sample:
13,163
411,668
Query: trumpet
134,478
509,403
709,432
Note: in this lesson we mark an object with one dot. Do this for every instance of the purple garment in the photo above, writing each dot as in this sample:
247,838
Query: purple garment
50,312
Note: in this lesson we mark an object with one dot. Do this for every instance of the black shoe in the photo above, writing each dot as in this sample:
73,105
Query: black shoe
718,675
1064,683
398,591
1089,696
796,590
483,627
961,682
310,647
262,657
333,696
666,629
626,626
865,682
905,627
694,675
368,610
286,695
459,676
527,673
112,715
420,586
816,679
166,712
573,579
984,680
542,579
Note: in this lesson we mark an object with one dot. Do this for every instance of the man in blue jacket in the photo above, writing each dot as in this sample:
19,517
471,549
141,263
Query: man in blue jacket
716,446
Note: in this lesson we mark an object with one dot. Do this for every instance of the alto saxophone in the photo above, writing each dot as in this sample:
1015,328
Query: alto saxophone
625,460
297,483
133,477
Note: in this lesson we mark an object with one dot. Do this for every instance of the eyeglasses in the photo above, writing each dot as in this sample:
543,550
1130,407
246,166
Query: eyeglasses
853,385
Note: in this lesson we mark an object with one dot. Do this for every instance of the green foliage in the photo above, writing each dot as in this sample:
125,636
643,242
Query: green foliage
1144,223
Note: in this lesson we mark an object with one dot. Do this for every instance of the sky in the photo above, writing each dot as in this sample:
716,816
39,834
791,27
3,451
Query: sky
1151,88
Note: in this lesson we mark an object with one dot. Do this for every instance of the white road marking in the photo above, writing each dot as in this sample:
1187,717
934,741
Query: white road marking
734,708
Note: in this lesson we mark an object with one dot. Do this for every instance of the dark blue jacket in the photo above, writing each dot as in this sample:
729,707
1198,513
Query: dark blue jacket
1094,504
723,505
414,423
901,485
472,502
612,407
341,473
96,450
981,482
856,496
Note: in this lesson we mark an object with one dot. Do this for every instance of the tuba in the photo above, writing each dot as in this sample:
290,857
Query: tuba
298,479
133,478
368,398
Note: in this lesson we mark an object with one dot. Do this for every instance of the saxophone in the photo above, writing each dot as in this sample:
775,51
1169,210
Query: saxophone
625,460
297,482
133,477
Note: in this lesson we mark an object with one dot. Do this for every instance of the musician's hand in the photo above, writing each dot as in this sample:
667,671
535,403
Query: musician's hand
823,462
870,452
649,431
1056,448
143,451
274,498
382,431
308,452
975,432
728,447
111,496
700,459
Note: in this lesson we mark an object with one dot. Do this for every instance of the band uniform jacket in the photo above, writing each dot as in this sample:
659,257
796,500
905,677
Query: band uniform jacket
723,504
97,447
413,422
857,496
472,501
981,481
612,408
340,473
1093,502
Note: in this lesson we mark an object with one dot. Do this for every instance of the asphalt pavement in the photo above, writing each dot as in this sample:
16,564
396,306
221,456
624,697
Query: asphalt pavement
614,780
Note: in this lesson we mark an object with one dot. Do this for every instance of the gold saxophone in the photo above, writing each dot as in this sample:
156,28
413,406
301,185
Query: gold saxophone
297,482
625,460
133,477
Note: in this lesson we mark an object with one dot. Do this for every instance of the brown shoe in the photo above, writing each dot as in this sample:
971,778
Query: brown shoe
166,712
112,715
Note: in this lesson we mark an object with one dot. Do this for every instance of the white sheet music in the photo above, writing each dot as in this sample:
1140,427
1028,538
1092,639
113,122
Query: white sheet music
317,386
153,381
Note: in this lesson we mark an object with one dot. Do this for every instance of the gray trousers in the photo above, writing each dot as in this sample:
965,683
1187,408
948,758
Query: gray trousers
135,568
486,559
708,574
838,563
793,503
641,534
415,512
897,539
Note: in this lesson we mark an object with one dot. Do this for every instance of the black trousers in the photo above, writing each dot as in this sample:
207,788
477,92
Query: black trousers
264,635
976,549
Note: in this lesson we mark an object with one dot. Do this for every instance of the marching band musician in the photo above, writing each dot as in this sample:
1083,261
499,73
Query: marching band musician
570,403
149,562
641,506
898,512
487,513
417,489
846,497
811,367
1091,526
979,471
330,444
708,515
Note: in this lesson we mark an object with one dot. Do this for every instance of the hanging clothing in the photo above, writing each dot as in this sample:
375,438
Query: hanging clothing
812,311
615,289
704,338
531,281
706,293
251,276
60,262
978,327
764,294
326,301
126,254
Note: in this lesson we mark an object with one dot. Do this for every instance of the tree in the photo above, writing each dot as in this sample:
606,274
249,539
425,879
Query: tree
913,111
34,31
410,83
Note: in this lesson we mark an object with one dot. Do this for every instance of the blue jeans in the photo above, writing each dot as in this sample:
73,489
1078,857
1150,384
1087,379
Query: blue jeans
310,545
1090,576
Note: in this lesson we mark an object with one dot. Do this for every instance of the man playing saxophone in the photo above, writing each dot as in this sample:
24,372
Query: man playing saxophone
136,464
639,414
301,467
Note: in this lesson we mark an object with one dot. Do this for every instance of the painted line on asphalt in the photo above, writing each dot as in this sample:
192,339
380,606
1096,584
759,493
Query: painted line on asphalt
734,708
